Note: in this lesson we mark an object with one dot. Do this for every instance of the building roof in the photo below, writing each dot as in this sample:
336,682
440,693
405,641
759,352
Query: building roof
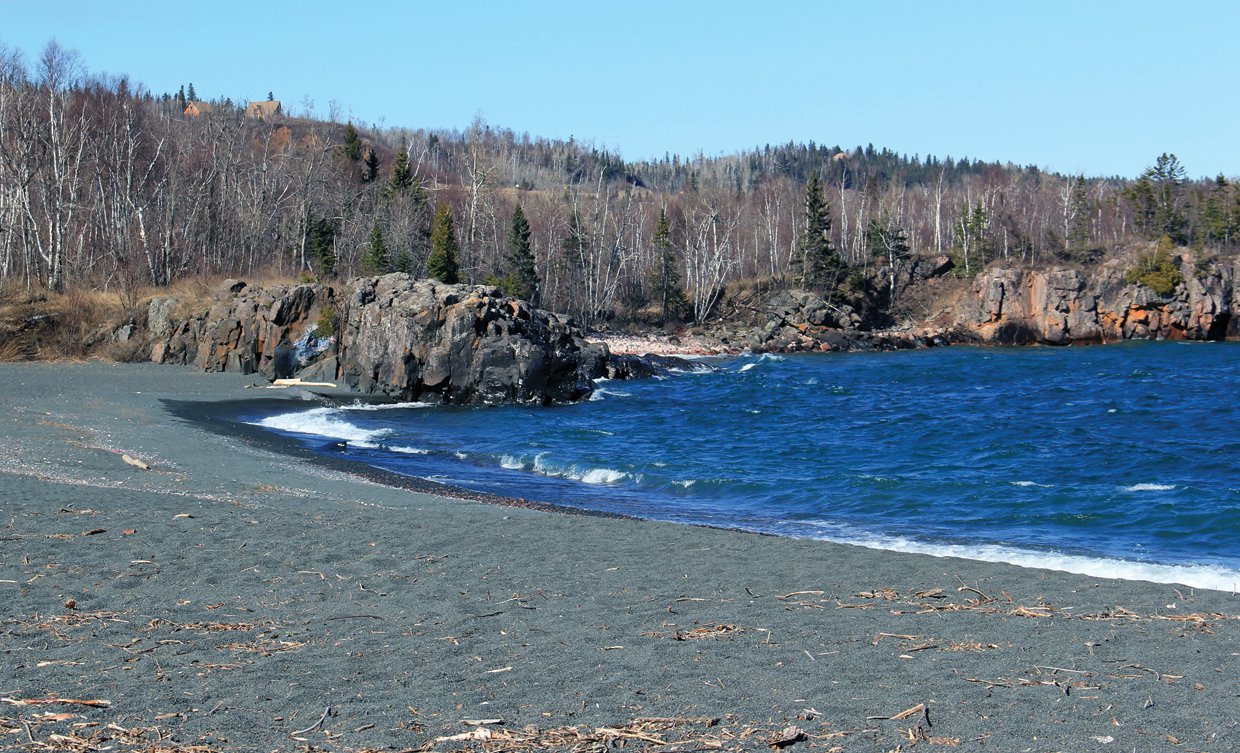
198,107
263,110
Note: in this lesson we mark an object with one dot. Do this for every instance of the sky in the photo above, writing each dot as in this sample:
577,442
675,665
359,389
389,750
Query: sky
1083,86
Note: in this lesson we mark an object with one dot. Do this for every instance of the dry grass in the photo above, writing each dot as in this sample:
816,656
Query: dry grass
79,323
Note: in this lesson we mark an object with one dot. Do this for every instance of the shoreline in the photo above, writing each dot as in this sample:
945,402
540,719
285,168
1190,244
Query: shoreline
216,417
297,587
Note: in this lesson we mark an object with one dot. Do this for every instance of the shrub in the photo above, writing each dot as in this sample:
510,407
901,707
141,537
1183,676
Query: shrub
1157,270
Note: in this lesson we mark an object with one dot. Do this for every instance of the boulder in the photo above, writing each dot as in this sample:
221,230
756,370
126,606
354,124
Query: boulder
411,339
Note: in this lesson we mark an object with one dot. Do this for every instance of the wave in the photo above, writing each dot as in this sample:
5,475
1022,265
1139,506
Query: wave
1030,483
600,394
745,368
360,406
409,450
1214,577
596,476
322,422
1149,488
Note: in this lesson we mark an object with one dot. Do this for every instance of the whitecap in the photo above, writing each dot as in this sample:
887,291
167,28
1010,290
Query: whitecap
1149,488
360,406
1214,577
512,463
322,422
409,450
686,483
746,367
601,394
1030,483
603,476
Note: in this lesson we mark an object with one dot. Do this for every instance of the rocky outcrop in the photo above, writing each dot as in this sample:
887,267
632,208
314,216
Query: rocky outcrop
1013,306
407,338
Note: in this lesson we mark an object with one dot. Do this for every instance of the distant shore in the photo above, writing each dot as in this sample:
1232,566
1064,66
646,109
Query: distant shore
238,598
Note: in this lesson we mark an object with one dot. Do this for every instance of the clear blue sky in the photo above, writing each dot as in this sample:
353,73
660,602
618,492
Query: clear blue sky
1096,86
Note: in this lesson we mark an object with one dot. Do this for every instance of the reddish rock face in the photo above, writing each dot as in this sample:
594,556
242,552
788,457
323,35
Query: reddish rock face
1064,306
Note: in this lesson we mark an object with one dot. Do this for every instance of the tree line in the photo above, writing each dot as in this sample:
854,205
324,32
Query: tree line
103,184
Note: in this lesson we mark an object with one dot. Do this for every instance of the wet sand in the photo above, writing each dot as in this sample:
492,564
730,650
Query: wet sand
233,597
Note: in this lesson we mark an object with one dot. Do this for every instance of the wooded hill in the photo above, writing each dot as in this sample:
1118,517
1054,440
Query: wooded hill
104,185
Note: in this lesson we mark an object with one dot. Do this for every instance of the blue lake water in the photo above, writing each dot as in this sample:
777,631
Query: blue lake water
1119,461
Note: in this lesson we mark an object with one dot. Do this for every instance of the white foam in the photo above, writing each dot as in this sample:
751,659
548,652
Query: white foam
585,475
603,476
322,422
385,406
685,483
410,450
1196,576
1030,483
745,368
512,463
600,394
1149,488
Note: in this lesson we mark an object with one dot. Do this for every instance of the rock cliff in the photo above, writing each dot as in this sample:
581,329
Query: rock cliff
1012,306
408,338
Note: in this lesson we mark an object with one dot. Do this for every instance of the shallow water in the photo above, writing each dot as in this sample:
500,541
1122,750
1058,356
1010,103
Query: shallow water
1117,461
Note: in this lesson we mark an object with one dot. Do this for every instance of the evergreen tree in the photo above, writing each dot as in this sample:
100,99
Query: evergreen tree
442,264
1156,198
321,244
191,95
402,174
522,281
352,142
376,260
1217,222
181,99
665,277
404,261
370,170
816,264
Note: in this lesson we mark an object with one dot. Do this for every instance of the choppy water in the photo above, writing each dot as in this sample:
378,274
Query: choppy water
1119,461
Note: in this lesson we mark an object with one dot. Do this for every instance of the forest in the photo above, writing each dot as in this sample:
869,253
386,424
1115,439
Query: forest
106,185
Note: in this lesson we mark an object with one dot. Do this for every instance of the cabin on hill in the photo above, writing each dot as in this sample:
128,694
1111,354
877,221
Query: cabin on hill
269,110
195,108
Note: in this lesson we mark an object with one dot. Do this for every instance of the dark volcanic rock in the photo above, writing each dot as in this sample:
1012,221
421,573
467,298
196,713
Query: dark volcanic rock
406,338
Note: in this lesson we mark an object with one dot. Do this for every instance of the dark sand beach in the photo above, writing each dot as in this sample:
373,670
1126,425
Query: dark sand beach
233,597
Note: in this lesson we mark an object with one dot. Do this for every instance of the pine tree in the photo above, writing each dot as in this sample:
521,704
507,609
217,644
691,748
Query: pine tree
376,260
522,281
665,277
321,244
352,142
191,95
442,264
816,264
404,261
371,166
402,175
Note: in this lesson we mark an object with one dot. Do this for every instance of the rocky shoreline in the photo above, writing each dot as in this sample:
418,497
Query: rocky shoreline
418,339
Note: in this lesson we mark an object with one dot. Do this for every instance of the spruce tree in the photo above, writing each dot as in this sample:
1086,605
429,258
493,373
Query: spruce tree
352,147
376,260
402,174
816,264
522,281
665,277
371,163
404,261
442,264
321,244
